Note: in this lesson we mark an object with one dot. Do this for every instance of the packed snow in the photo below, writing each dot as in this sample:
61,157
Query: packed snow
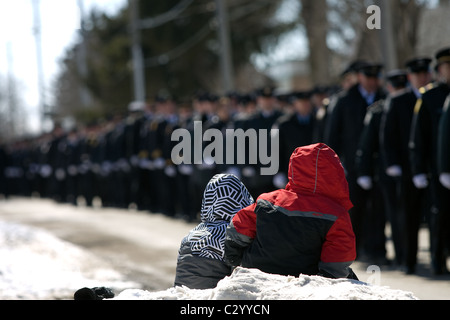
253,284
36,265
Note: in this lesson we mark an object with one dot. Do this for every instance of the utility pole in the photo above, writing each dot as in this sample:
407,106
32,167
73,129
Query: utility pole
85,97
9,125
387,36
226,60
41,83
136,51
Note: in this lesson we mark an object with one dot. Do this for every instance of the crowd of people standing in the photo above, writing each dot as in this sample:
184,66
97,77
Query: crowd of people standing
391,133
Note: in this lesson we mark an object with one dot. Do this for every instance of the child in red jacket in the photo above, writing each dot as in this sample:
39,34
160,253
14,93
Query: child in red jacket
302,229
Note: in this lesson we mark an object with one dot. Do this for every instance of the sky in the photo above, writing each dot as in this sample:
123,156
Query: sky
60,20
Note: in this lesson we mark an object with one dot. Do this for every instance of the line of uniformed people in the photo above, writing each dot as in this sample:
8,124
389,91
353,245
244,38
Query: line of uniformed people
127,161
385,134
387,138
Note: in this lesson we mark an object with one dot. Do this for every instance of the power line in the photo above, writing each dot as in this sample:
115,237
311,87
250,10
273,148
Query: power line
37,36
170,15
226,59
180,50
136,51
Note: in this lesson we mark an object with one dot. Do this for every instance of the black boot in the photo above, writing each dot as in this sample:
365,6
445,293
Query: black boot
96,293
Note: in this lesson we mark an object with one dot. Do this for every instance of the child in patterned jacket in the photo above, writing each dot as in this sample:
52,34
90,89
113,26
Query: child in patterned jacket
200,263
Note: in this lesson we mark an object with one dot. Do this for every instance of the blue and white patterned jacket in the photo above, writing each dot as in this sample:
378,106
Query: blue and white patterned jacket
200,261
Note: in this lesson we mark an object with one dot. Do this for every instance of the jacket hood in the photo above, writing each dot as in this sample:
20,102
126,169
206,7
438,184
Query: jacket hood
316,169
223,197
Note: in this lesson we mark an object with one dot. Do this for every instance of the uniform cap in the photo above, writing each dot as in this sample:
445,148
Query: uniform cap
266,91
443,55
370,69
418,64
136,106
352,67
301,95
397,78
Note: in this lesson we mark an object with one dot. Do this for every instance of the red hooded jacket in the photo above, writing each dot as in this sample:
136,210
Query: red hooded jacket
304,228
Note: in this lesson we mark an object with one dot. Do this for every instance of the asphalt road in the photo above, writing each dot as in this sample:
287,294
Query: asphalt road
143,246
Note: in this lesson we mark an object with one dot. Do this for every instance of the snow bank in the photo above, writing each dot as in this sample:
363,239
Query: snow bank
253,284
36,265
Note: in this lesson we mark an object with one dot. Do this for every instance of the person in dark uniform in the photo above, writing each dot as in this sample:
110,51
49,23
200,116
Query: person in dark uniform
205,111
444,151
107,176
145,193
348,78
38,160
444,146
57,161
162,173
119,166
423,152
171,199
246,108
263,118
394,138
14,170
344,128
3,163
295,130
132,143
320,100
88,169
372,177
73,161
184,170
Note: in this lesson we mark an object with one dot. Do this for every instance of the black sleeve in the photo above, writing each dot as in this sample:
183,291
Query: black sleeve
235,246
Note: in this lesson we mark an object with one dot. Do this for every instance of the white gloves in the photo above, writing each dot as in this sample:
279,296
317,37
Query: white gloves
444,178
248,172
365,182
280,180
394,171
420,181
235,171
186,169
159,163
170,171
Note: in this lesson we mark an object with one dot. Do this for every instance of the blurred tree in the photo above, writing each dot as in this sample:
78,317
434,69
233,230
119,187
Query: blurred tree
406,23
184,54
353,40
181,47
314,15
12,117
181,54
109,76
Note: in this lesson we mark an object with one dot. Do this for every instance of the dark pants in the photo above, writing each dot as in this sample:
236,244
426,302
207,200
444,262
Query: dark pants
413,208
359,198
439,223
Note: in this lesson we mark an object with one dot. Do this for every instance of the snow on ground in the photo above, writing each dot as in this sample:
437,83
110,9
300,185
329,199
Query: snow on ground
253,284
35,264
